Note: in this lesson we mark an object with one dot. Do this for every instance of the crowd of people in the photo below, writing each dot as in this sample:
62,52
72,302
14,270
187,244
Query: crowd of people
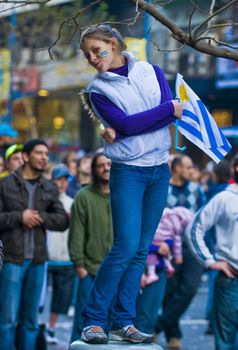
90,221
172,274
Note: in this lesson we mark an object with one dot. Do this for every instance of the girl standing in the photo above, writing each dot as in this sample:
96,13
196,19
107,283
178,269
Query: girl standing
134,102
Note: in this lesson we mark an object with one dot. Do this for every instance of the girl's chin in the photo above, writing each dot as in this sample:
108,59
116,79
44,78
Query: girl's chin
102,69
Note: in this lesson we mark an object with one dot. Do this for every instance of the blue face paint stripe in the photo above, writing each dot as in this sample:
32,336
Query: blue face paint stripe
104,53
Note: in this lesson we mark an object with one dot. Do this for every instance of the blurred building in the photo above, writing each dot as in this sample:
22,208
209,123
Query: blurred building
45,92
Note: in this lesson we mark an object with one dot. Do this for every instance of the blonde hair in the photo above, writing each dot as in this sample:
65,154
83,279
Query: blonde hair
104,33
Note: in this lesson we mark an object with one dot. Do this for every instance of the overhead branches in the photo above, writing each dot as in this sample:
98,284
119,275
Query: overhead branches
194,38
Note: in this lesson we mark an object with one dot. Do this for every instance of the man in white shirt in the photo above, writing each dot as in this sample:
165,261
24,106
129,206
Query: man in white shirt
221,211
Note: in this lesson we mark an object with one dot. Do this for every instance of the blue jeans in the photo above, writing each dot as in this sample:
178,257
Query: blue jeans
20,290
84,286
148,304
138,197
212,275
225,309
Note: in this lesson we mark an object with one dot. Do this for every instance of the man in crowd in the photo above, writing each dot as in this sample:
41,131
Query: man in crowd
90,235
182,287
29,205
83,176
60,268
222,212
13,159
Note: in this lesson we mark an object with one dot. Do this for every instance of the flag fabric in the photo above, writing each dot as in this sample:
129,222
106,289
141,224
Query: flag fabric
197,124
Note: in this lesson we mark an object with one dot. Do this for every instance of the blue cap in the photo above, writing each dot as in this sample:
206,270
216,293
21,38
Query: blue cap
60,171
7,130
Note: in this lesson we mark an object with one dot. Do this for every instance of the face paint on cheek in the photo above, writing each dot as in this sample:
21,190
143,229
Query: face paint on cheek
104,53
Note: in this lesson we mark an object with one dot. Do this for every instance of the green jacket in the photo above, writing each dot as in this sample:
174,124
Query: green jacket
90,233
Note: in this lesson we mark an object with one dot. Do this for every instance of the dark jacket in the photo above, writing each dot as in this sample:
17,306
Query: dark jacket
13,201
1,255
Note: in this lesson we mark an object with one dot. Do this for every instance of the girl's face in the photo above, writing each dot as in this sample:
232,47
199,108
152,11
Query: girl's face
101,55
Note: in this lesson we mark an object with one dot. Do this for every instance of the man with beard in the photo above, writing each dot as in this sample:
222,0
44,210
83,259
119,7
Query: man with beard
90,235
221,211
29,206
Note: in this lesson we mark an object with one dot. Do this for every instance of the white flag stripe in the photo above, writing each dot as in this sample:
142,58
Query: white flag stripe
201,145
193,106
197,124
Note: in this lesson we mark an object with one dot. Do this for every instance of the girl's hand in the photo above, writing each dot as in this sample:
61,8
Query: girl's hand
178,109
164,249
179,260
108,134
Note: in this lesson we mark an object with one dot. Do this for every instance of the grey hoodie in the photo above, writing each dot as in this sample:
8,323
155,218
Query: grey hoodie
221,211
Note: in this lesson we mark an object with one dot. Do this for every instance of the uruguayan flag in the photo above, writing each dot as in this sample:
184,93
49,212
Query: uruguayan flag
197,124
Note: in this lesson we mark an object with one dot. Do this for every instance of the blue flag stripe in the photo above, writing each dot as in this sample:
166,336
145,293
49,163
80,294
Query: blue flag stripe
191,129
224,139
217,153
191,115
208,126
198,135
227,148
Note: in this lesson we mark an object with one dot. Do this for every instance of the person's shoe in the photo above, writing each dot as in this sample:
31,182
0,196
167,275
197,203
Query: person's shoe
94,335
131,334
50,337
174,343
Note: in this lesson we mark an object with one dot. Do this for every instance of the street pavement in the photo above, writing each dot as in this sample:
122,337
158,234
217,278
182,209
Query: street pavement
193,326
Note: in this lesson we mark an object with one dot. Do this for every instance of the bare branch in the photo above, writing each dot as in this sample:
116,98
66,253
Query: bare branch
167,50
220,25
68,20
184,38
27,2
196,29
190,20
216,41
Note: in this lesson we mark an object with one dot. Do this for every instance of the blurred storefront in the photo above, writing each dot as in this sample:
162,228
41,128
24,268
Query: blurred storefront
58,107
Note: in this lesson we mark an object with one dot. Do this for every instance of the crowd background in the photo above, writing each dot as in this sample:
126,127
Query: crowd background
172,275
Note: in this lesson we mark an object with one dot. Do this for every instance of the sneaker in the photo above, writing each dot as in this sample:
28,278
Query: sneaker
174,343
50,337
131,334
94,335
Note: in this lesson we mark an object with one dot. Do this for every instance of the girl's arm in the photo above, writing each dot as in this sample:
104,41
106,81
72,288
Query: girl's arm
138,123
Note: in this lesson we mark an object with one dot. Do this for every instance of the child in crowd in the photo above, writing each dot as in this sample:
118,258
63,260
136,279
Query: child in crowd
60,268
170,228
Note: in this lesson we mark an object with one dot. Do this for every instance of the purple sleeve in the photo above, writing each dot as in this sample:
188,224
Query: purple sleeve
138,123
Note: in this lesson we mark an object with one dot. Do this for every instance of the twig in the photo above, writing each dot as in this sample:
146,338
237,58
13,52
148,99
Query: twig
216,41
197,28
190,20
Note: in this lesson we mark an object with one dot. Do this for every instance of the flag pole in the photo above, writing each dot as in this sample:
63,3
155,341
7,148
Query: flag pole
177,147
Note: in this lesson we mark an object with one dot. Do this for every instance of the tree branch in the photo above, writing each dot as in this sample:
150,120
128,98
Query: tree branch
179,35
196,29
